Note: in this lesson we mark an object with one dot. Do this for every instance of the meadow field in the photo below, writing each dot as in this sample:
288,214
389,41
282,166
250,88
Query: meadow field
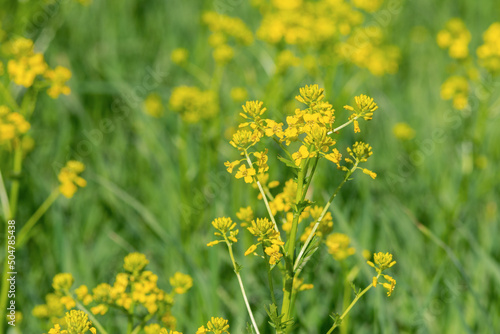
119,122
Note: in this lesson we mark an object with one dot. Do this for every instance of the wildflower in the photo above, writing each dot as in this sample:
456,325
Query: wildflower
310,94
181,282
360,151
12,124
70,179
390,285
179,56
216,326
274,254
302,153
231,165
455,37
382,261
245,173
245,215
370,173
489,52
62,282
223,54
285,60
58,78
261,161
24,70
244,139
224,225
135,262
403,131
456,88
193,104
253,110
153,105
338,246
334,156
238,94
78,322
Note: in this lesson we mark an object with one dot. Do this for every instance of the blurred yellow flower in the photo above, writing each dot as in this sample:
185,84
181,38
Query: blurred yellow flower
338,246
403,131
57,79
69,178
455,37
489,52
193,104
153,105
179,56
456,88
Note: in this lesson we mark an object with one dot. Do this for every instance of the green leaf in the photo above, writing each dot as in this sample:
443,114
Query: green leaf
308,253
238,268
288,162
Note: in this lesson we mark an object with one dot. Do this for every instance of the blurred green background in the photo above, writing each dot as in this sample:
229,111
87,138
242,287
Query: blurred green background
155,184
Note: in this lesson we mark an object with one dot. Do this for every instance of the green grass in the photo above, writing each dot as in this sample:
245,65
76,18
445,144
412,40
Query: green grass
145,174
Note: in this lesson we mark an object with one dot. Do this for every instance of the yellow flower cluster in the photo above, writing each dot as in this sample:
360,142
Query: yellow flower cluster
12,124
134,290
224,27
193,104
456,88
69,178
455,38
225,227
489,52
338,246
215,326
383,261
25,65
157,329
264,230
369,50
153,105
76,322
327,26
58,78
307,23
324,228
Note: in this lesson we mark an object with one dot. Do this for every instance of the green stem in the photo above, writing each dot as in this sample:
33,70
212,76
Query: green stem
8,98
310,177
23,233
4,198
16,172
290,251
335,325
325,210
242,288
263,193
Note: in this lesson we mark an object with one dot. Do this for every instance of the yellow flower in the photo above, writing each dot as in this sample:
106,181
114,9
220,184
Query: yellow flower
369,172
135,262
24,70
193,104
338,246
302,153
181,282
455,37
223,54
245,173
243,139
62,282
58,78
382,261
334,156
245,215
153,105
489,52
403,131
69,179
179,56
238,94
456,88
225,226
12,124
78,322
274,254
